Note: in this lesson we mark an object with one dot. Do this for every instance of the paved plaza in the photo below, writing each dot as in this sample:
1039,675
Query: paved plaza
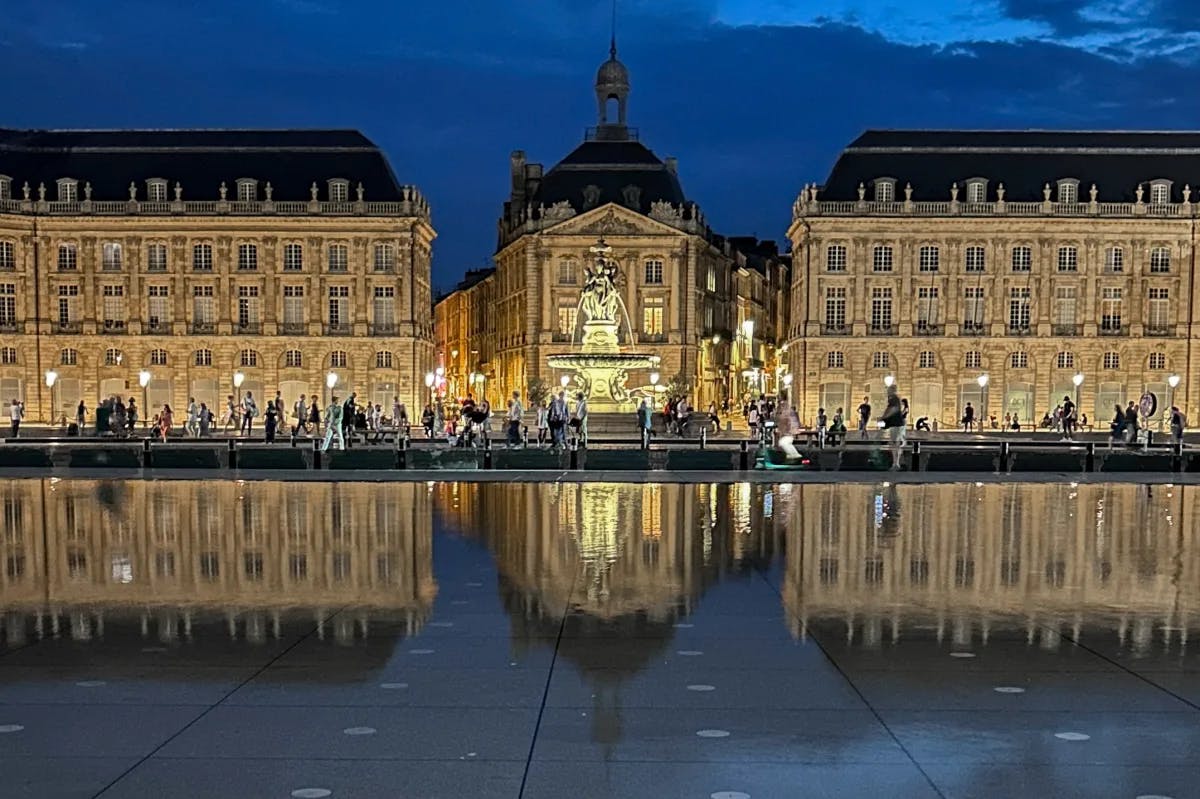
598,640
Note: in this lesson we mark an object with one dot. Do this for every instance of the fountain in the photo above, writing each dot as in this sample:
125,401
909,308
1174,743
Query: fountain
601,369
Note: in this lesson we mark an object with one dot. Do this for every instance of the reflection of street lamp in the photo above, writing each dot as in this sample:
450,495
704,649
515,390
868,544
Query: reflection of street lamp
1078,381
982,380
144,381
787,384
1172,384
51,379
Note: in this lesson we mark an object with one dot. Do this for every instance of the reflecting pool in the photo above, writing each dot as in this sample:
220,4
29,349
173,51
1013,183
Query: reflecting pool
228,638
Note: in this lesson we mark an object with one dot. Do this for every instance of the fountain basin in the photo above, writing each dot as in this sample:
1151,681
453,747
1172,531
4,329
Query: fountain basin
602,377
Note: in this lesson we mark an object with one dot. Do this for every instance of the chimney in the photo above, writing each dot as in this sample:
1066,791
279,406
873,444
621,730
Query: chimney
533,178
673,165
517,169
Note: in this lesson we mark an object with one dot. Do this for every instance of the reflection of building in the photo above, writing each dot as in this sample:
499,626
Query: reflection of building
938,256
246,551
679,281
190,255
969,559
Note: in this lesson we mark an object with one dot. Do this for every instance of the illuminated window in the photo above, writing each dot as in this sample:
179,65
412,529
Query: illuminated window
68,258
654,272
1022,259
293,257
652,316
881,260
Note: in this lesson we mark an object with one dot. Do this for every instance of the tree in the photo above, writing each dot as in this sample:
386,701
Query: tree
538,392
679,386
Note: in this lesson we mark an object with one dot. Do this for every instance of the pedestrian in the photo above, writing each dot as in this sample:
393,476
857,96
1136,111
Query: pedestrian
299,416
683,416
333,425
314,416
205,421
714,419
787,425
1117,426
752,420
864,416
400,419
1016,423
837,429
1177,425
81,416
427,420
893,421
1131,424
271,422
249,411
232,417
278,407
579,419
645,422
1068,418
822,424
165,419
349,411
192,426
543,424
557,417
968,418
515,412
16,413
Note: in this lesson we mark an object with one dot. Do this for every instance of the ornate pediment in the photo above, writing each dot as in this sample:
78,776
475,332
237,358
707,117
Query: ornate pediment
663,211
558,212
610,220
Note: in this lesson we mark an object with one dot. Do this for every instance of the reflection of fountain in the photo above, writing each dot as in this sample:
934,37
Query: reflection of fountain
602,370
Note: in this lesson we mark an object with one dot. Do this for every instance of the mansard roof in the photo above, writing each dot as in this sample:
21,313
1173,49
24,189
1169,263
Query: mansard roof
1024,161
610,166
199,160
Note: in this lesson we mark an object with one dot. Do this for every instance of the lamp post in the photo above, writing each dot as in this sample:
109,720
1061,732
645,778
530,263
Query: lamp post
982,380
563,381
429,378
51,379
239,378
144,382
888,381
787,386
1172,384
331,380
1078,381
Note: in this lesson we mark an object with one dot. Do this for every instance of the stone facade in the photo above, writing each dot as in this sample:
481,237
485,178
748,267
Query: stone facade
192,292
1004,302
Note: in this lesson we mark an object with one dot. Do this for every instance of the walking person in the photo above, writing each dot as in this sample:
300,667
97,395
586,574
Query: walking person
787,424
515,412
864,416
129,414
278,407
205,422
232,417
714,419
645,418
249,411
543,425
427,420
1131,425
1117,426
314,417
192,426
968,418
1177,425
165,420
752,420
81,417
333,425
271,422
299,417
894,422
580,418
16,413
1068,418
349,410
557,417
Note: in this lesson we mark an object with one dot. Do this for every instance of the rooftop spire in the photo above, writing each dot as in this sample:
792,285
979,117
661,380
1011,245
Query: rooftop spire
612,50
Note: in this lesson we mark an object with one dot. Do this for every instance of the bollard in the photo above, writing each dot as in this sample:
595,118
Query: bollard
1005,457
147,457
703,437
487,454
1090,463
645,437
744,457
233,454
574,453
316,460
914,464
401,453
525,437
1177,456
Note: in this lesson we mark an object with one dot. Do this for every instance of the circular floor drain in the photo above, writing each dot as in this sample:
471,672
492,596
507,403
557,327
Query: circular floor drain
90,683
962,655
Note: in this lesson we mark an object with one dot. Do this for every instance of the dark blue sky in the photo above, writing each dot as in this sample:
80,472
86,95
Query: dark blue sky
755,97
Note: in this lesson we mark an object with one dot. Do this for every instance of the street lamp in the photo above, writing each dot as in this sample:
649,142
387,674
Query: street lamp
429,378
982,380
1172,384
888,381
1078,381
51,379
144,381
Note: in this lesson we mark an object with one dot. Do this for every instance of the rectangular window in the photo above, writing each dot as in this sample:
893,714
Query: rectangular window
1018,310
1114,260
159,307
710,281
976,192
976,259
881,310
247,257
249,310
156,257
68,258
881,360
1064,311
68,297
835,309
885,191
1068,193
113,307
928,315
973,306
8,304
293,305
973,360
68,191
339,258
111,257
654,272
8,257
1160,193
339,191
926,360
1160,260
566,319
384,306
293,257
567,272
1019,360
929,259
835,258
1022,259
652,316
203,312
835,360
385,258
1068,259
1110,310
1158,317
202,259
156,191
339,306
247,191
881,260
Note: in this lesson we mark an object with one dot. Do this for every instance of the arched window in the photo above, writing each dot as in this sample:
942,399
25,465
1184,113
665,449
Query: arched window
293,359
68,357
248,358
383,360
1158,360
338,359
835,360
8,355
1019,360
881,360
203,358
973,360
158,357
113,357
1112,360
926,360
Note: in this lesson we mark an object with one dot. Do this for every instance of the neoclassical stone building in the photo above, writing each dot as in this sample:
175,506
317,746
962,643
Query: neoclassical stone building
679,280
1000,268
195,256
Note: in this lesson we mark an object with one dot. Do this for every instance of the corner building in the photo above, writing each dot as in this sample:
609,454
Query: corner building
999,268
194,255
679,280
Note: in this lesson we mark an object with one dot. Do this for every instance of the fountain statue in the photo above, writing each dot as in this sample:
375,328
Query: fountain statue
601,369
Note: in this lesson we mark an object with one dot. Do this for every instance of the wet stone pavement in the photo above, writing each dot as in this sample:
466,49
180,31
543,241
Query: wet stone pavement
227,639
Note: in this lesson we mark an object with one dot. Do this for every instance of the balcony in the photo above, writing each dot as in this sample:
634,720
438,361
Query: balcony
157,326
882,330
248,328
293,328
1066,330
1113,329
1019,330
835,330
8,326
972,328
68,327
1159,331
929,329
202,328
383,328
114,327
339,329
652,338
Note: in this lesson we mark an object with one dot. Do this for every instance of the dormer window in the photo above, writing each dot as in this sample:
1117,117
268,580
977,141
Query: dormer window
156,190
1160,192
247,190
5,187
68,190
1068,191
976,190
885,190
339,190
